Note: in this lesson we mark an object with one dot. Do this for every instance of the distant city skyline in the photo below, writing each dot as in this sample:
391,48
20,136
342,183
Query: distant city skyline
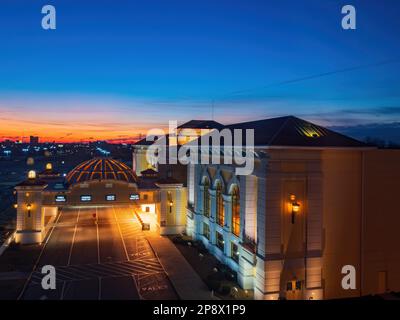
111,72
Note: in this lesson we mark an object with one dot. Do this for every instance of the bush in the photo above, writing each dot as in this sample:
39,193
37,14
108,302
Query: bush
178,240
202,248
214,281
225,290
228,273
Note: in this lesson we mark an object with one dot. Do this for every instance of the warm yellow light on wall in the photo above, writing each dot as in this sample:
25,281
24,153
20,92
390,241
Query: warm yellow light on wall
49,166
29,206
15,205
32,174
295,206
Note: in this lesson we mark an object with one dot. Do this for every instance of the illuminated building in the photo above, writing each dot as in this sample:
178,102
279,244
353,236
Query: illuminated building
315,202
100,181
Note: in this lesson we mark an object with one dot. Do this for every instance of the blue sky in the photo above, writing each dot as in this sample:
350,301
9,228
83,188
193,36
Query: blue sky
144,62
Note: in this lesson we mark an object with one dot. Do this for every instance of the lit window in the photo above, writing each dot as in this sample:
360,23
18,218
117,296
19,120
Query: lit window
206,198
110,197
220,206
86,198
235,212
134,197
61,198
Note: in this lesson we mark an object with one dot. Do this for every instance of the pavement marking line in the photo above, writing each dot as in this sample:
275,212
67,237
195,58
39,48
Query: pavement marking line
120,233
73,238
98,239
99,296
127,255
62,290
38,259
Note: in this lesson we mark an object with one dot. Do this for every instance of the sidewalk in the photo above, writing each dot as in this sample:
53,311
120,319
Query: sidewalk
185,280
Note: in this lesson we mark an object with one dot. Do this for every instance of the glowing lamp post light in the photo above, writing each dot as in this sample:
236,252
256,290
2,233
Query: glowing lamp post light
32,174
295,207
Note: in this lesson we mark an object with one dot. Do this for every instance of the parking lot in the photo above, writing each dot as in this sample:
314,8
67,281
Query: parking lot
99,253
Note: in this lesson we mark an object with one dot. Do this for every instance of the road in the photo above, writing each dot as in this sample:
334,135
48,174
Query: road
99,258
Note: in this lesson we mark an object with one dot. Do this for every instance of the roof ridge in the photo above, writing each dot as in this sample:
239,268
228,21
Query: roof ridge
279,130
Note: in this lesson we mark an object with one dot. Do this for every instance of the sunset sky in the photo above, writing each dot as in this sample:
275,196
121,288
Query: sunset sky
113,69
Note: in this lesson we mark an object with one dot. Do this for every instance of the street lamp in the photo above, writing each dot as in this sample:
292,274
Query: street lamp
32,174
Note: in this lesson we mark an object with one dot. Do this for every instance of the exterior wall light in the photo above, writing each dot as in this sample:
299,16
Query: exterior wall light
15,205
295,207
49,166
29,207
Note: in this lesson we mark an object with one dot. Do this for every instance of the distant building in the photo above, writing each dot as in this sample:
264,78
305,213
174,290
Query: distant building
99,181
185,133
33,140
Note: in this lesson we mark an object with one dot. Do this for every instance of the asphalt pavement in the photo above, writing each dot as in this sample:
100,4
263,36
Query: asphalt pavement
99,253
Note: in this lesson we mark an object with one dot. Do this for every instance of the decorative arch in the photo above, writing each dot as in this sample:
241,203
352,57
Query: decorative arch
233,183
204,174
219,179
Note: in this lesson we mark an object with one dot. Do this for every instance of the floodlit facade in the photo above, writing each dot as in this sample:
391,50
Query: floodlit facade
315,202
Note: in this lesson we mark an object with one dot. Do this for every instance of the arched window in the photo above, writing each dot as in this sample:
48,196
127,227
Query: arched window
220,214
235,211
206,198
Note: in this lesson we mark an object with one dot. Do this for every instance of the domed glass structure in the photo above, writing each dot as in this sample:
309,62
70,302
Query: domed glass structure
101,169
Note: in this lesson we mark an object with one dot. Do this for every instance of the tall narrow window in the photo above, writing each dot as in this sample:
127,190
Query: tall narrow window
235,212
220,206
206,230
219,240
206,198
170,202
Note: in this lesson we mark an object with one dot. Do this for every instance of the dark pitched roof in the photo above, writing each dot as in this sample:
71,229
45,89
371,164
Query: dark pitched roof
294,132
144,142
32,183
149,172
201,124
192,124
168,180
288,131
